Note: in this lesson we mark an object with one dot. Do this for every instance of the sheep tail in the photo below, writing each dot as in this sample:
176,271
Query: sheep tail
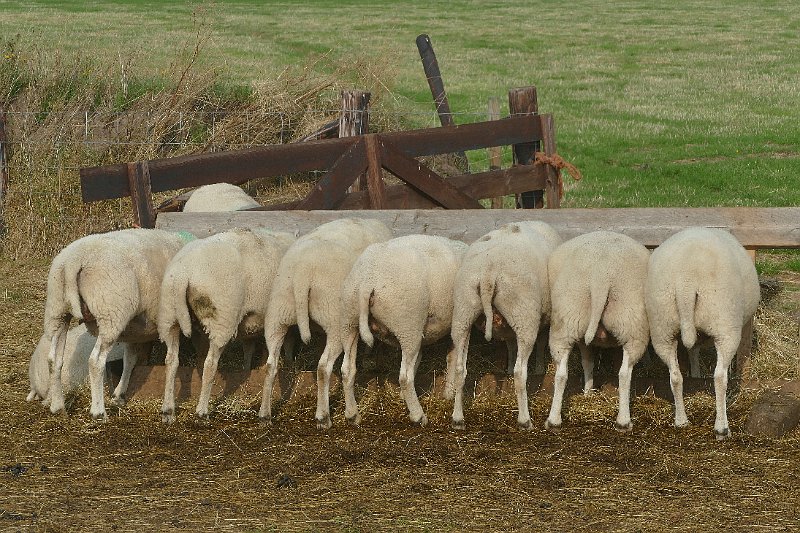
70,271
301,308
180,303
685,299
486,290
363,317
598,297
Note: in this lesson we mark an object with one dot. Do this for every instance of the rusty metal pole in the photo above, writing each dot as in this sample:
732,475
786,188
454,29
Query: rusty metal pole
431,67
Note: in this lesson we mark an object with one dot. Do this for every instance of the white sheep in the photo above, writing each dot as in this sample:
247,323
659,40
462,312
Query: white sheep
597,295
219,197
308,287
700,280
506,270
224,282
403,291
75,369
112,282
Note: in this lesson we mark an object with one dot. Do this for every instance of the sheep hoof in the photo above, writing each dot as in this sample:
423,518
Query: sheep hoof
422,422
265,420
203,418
119,401
32,396
458,425
682,424
623,428
100,417
555,428
168,416
324,422
527,425
55,409
589,392
722,435
354,420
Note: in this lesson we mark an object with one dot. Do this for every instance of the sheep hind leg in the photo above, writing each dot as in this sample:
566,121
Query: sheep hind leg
324,369
623,422
456,376
209,371
524,349
560,354
97,369
668,352
55,393
130,356
726,349
351,413
587,361
274,341
408,366
171,364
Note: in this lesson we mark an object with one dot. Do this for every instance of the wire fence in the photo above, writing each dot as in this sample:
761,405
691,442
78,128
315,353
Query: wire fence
43,209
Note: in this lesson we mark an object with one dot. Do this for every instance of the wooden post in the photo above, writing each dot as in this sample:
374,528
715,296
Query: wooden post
3,168
522,101
495,154
553,187
354,120
375,186
141,195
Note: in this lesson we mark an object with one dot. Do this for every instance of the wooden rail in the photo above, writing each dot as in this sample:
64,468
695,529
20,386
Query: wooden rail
755,227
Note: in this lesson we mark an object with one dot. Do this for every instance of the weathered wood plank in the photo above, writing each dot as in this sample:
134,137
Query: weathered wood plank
426,180
141,197
111,181
332,187
481,185
523,101
755,227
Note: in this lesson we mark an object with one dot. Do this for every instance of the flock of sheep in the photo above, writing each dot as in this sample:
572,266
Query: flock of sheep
354,280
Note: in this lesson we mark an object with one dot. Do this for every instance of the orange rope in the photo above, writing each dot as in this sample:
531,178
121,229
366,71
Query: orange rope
557,162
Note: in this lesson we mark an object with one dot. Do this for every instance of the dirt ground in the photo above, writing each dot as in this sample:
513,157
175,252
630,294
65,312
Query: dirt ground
65,473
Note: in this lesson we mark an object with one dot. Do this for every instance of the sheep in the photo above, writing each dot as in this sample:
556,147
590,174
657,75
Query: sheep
224,281
111,281
75,369
308,287
597,295
700,280
506,270
219,197
403,291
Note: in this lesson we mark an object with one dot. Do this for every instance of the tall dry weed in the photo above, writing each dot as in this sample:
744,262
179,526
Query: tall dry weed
68,112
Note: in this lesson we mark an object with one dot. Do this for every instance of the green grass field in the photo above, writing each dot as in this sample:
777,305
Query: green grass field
693,104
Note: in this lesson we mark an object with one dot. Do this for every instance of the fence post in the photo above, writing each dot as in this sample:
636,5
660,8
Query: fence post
553,187
3,169
353,121
495,152
141,195
522,101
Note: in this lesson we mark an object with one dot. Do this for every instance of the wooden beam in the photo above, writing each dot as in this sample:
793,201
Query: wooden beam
141,195
236,167
354,121
523,101
482,185
426,180
376,188
332,187
495,152
553,187
755,227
